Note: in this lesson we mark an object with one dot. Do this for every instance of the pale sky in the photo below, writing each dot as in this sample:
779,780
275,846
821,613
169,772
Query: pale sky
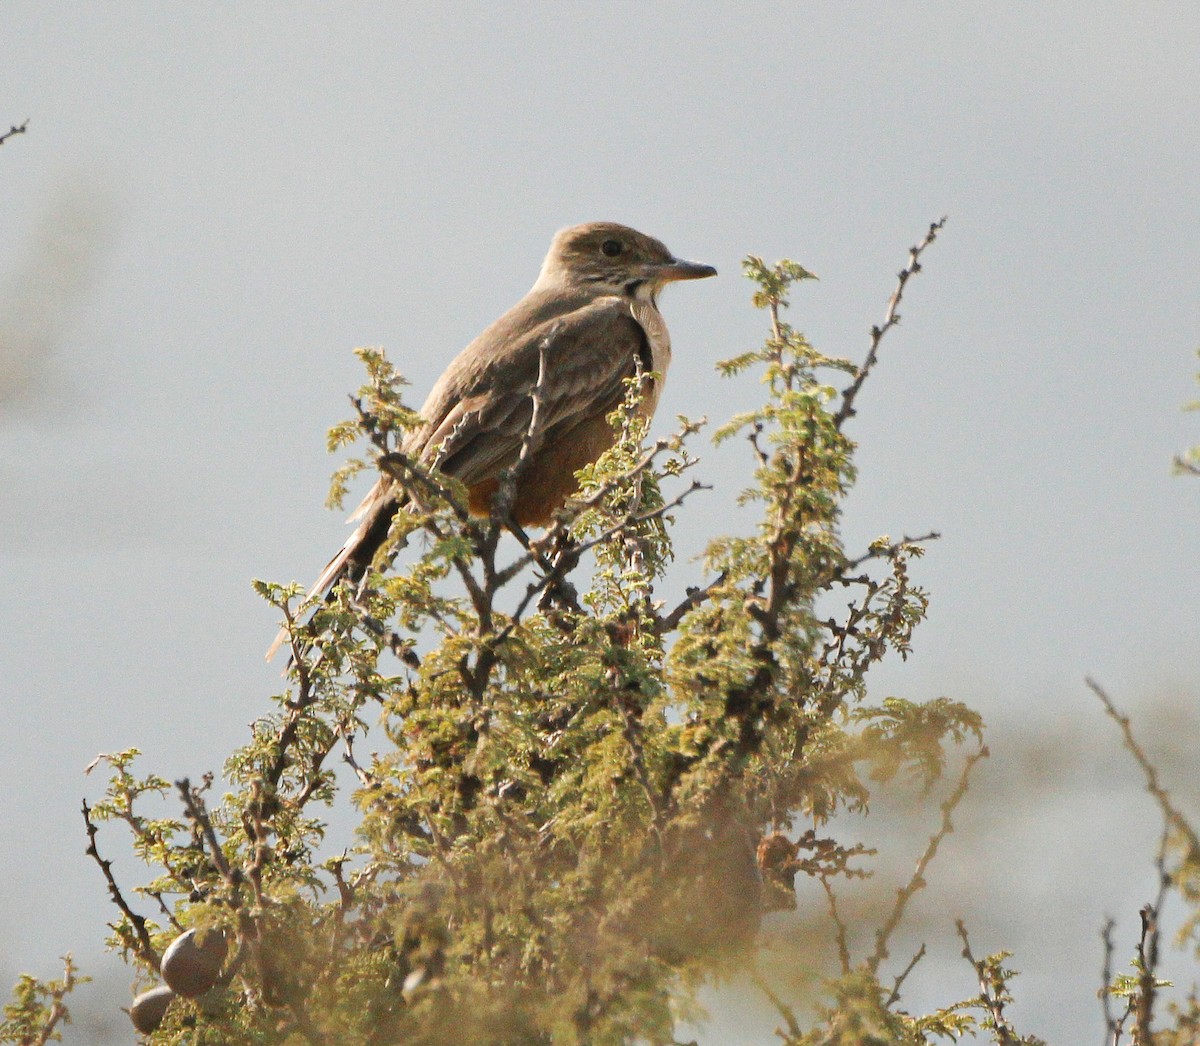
214,204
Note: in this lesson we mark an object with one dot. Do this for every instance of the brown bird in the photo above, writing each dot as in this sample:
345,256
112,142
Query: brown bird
594,313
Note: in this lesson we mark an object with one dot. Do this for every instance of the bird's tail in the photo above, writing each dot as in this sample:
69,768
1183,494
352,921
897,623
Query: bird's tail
354,558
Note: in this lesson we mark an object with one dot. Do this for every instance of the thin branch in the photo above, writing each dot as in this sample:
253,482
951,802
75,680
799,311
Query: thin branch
905,893
537,551
902,976
345,904
1141,1004
1147,951
1170,813
564,565
58,1009
640,466
1113,1026
365,778
693,599
885,552
1005,1034
500,518
632,520
839,924
145,950
890,319
194,806
1186,465
14,130
785,1011
162,905
551,564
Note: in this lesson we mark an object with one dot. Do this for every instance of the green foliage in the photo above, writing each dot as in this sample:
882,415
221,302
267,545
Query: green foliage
37,1009
580,800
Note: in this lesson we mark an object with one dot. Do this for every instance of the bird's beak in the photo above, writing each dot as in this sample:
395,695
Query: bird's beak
676,269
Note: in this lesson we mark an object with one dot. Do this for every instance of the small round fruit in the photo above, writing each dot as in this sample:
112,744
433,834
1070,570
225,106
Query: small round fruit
149,1008
193,962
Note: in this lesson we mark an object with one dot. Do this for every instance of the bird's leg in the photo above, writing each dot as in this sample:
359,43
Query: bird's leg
359,600
562,558
518,532
552,565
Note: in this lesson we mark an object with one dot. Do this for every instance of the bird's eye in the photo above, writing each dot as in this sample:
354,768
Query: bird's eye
611,248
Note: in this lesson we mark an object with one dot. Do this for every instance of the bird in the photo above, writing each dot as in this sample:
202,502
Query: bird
592,316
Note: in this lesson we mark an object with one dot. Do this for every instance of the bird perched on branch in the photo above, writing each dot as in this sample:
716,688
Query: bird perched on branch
593,316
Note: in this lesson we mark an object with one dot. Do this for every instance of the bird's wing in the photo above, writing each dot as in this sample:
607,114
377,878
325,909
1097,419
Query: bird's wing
481,408
589,353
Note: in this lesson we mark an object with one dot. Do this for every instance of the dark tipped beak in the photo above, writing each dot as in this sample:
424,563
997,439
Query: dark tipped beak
676,269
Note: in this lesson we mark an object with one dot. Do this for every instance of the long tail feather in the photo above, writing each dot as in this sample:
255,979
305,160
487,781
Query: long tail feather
356,555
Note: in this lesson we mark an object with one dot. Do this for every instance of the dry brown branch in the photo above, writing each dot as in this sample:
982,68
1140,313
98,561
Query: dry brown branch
886,551
694,598
902,976
1005,1035
783,1009
839,924
917,880
1170,812
193,804
1114,1027
144,949
14,130
1147,952
890,319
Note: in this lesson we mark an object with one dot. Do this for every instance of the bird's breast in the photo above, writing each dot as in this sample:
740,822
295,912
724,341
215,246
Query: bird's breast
651,321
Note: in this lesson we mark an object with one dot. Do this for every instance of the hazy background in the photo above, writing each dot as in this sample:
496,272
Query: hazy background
214,204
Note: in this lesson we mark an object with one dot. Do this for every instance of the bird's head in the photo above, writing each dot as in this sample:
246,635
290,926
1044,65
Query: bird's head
615,259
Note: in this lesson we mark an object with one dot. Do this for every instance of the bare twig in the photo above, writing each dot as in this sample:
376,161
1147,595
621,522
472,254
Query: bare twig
917,880
839,924
194,806
1114,1027
1005,1034
902,976
14,130
693,599
565,564
784,1010
1186,465
338,932
1147,951
162,905
611,483
364,776
890,319
1170,812
500,518
886,552
1141,1004
145,950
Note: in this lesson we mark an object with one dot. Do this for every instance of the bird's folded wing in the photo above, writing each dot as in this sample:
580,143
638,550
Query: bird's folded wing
589,353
